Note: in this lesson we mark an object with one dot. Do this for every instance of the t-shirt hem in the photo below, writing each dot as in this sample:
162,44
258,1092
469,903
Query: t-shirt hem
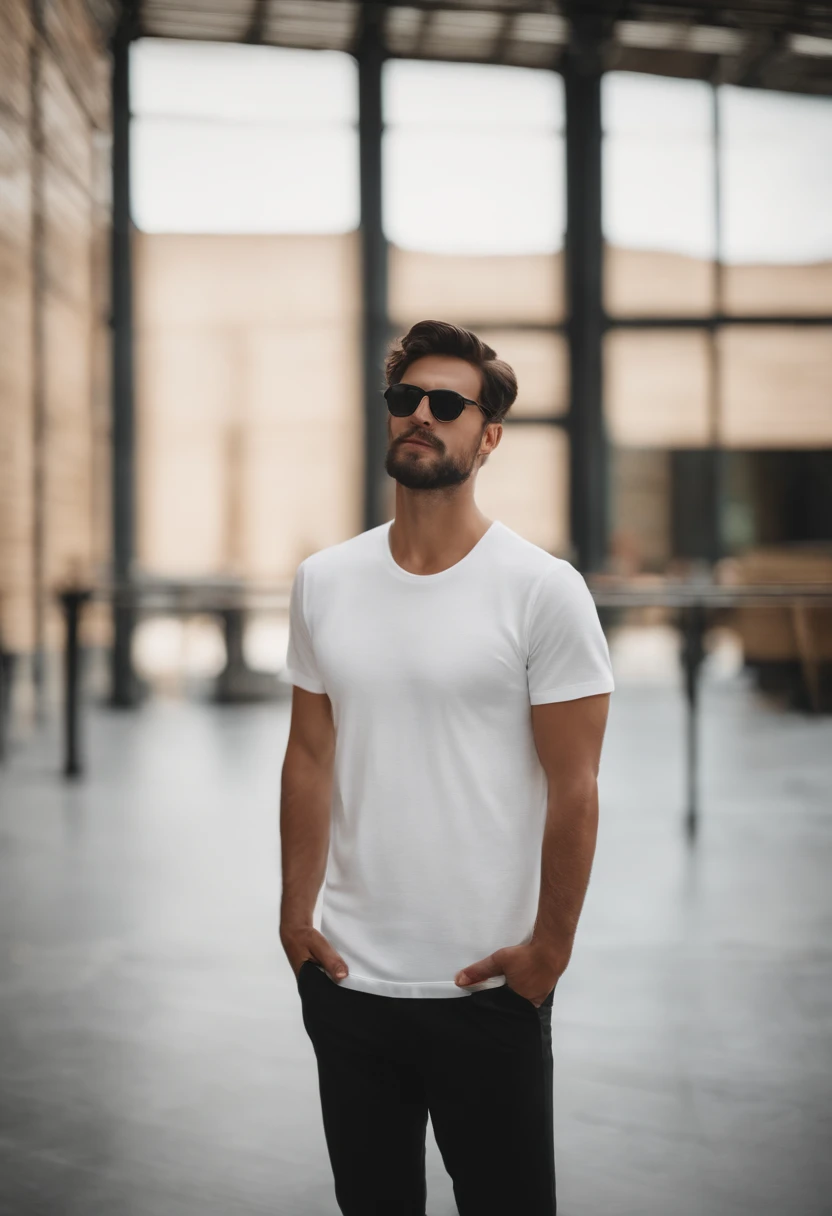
570,692
422,990
290,675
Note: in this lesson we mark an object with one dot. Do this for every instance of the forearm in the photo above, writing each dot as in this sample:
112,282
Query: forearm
568,849
305,799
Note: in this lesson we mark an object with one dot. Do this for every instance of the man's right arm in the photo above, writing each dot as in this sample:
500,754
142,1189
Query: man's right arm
305,801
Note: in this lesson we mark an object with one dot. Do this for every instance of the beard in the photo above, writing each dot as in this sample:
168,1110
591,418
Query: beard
429,472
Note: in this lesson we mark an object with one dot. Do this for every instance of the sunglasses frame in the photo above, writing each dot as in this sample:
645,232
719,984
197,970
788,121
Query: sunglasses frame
426,392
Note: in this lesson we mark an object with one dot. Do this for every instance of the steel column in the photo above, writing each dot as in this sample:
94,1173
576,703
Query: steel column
123,690
375,325
584,270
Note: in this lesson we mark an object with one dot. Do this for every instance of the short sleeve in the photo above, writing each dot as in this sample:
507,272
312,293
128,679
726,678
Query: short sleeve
568,655
301,667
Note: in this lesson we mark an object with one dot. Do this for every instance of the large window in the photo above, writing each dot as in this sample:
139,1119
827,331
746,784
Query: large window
248,306
232,138
472,159
777,190
474,210
717,205
658,201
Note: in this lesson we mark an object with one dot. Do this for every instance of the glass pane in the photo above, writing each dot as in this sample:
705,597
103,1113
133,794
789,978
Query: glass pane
473,158
471,96
540,364
249,457
776,386
640,489
777,188
243,139
228,81
658,204
474,290
525,484
656,388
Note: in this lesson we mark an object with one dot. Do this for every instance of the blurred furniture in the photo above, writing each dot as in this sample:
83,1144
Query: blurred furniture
228,599
788,644
696,603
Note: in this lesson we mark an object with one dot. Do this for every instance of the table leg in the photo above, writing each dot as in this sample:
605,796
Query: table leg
692,653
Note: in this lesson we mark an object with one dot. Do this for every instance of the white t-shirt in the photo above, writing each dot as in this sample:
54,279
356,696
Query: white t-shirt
439,797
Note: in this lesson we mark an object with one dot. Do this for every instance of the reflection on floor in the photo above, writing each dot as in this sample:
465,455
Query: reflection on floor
153,1061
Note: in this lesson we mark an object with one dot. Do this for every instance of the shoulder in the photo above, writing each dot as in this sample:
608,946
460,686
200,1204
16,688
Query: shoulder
552,593
345,557
530,566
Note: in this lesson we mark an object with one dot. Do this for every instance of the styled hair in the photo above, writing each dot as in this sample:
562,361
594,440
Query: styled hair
499,383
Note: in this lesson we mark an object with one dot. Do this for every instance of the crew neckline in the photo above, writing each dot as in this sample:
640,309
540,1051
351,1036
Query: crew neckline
424,579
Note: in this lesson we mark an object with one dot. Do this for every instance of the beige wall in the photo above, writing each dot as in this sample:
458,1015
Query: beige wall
250,427
249,421
249,400
54,214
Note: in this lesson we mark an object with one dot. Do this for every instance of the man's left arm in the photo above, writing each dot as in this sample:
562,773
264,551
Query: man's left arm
568,736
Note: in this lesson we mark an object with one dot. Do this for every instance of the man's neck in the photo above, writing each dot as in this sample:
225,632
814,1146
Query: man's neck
429,534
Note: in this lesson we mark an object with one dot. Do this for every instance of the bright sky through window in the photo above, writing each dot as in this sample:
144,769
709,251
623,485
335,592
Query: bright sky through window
232,138
473,158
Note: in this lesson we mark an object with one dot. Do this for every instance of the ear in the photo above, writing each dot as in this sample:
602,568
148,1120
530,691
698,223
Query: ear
491,436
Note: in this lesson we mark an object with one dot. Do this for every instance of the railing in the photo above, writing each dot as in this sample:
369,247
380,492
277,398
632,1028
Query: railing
693,600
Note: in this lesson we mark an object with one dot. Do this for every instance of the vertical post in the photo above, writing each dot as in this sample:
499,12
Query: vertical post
716,456
370,53
72,601
4,713
123,683
582,70
693,653
39,410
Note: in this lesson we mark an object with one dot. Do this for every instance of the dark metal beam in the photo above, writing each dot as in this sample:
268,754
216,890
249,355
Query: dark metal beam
716,457
557,420
123,690
425,24
718,318
588,491
504,36
39,410
257,22
375,328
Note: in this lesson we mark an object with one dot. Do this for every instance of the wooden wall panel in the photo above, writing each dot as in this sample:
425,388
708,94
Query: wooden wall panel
15,39
54,343
16,435
248,401
78,46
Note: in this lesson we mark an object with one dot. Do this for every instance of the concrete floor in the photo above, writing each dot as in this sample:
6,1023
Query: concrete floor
153,1060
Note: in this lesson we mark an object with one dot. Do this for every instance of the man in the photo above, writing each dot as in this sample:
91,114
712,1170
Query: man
451,689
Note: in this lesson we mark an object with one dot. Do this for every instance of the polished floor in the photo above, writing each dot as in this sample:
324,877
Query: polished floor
153,1061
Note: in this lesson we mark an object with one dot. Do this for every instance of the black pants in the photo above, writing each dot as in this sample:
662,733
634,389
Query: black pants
481,1065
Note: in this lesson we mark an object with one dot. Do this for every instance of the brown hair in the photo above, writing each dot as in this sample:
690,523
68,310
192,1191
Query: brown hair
499,383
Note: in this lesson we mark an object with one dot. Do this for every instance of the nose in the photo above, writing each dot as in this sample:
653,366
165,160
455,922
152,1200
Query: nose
422,412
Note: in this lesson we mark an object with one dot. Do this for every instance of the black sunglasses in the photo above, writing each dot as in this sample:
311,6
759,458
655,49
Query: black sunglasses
445,404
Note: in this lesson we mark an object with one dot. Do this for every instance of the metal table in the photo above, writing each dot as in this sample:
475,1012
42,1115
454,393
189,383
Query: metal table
692,599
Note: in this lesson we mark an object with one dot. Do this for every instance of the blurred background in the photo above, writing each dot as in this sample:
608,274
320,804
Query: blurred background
214,217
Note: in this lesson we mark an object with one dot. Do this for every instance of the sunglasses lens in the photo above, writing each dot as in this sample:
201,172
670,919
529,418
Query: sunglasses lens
446,404
402,399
